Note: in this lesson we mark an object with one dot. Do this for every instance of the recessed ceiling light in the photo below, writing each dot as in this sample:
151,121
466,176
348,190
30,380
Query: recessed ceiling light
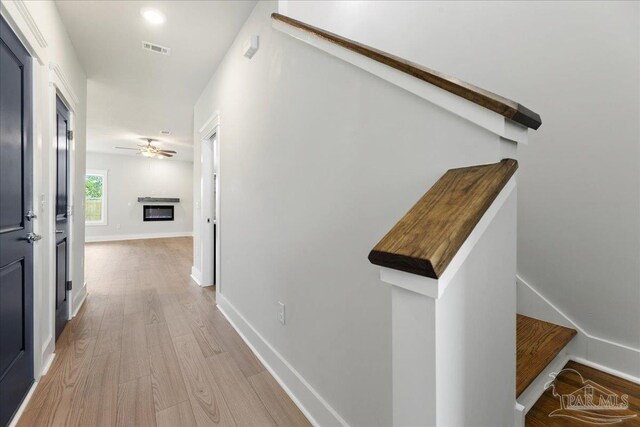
152,15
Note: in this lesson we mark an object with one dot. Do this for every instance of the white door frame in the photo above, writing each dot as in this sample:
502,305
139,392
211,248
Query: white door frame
209,133
59,87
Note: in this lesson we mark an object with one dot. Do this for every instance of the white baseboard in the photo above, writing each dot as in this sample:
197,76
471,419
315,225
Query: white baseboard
23,405
48,364
79,299
614,356
48,348
314,407
92,239
606,369
196,276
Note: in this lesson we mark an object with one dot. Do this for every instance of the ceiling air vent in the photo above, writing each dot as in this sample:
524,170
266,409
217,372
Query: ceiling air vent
165,132
156,48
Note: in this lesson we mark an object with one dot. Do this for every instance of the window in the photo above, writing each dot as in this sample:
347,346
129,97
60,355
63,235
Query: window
95,198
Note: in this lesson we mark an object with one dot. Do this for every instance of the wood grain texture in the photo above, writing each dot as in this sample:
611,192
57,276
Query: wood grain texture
110,332
166,379
279,405
134,358
244,403
207,402
496,103
568,382
204,335
538,343
98,400
135,404
427,238
131,356
178,415
58,407
235,346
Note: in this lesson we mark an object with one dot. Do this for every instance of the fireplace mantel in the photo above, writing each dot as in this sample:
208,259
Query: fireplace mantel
159,199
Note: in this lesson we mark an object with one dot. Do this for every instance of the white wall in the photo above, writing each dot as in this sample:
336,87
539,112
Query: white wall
132,177
318,160
39,26
578,65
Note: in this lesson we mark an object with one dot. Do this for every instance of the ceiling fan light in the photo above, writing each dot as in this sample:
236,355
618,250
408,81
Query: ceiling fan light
148,154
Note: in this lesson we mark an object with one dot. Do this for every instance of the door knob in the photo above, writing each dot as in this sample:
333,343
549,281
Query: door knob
33,237
30,215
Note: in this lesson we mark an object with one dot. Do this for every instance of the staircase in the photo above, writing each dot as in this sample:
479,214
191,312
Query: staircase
451,260
544,372
537,344
540,354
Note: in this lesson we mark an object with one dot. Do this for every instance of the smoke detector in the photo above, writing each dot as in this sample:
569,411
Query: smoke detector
156,48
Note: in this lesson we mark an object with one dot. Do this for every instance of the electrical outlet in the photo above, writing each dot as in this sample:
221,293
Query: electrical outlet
281,313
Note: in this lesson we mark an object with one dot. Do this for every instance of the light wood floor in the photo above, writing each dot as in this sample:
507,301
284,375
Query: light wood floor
150,348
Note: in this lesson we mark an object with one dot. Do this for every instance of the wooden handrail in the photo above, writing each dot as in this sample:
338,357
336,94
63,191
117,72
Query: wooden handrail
427,238
503,106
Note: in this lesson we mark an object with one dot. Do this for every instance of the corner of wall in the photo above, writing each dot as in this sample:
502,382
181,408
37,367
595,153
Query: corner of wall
618,359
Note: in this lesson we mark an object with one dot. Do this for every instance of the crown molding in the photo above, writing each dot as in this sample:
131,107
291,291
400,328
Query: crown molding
31,23
60,80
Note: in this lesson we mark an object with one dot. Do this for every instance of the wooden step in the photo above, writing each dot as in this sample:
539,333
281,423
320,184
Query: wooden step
569,382
537,343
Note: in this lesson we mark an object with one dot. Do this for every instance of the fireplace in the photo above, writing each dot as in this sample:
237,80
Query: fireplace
157,213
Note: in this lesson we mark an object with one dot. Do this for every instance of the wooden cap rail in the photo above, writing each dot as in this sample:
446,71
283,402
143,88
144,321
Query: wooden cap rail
503,106
427,238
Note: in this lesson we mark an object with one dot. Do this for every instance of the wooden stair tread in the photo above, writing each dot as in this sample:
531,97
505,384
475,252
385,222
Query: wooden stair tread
496,103
426,238
537,343
567,382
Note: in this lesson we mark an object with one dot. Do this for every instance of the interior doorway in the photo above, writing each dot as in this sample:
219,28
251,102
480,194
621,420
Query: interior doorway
63,133
210,197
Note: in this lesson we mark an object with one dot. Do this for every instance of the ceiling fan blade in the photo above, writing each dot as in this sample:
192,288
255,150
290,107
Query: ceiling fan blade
168,151
127,148
164,155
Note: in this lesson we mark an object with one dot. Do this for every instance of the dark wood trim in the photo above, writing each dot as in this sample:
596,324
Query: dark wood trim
503,106
427,238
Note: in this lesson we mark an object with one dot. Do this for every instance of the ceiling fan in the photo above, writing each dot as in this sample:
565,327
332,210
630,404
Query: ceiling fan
149,150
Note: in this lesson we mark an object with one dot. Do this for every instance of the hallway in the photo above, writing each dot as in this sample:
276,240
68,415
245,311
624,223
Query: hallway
149,347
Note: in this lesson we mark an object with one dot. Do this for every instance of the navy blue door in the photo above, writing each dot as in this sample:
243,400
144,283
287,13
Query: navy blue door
16,237
62,218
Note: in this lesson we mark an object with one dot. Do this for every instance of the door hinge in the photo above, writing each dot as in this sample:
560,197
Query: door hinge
70,135
69,285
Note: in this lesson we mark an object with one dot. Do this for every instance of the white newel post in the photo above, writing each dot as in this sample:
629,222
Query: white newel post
454,338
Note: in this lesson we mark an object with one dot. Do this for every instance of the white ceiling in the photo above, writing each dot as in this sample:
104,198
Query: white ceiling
133,93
